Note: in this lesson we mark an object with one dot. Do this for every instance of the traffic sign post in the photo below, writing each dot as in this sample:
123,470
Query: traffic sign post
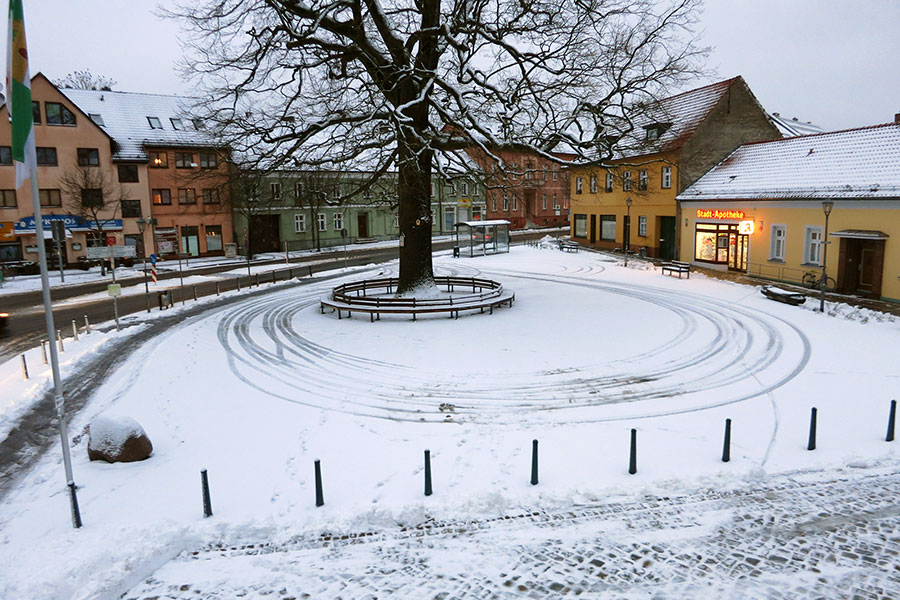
153,259
115,290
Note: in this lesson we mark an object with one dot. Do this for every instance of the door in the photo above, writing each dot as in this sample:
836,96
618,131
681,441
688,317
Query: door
362,225
190,240
667,238
265,232
593,232
866,270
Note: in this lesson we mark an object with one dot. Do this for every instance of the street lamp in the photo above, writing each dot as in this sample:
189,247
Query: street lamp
627,245
141,224
826,208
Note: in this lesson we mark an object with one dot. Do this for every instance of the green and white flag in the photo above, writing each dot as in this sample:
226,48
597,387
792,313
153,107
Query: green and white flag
18,101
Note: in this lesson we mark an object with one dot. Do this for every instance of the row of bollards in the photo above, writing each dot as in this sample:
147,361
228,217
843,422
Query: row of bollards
61,345
632,459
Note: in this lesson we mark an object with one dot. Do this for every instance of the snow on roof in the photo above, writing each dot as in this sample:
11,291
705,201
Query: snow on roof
678,117
854,163
483,223
794,126
126,116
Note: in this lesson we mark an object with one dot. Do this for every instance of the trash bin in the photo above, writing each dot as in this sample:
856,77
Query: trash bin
455,251
165,300
643,252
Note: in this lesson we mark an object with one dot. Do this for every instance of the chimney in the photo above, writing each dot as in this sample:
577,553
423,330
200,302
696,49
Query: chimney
897,118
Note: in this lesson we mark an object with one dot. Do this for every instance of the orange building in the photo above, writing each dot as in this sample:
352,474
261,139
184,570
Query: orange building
98,198
186,175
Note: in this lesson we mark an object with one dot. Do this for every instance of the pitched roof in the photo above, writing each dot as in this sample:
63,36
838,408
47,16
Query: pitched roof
853,163
680,114
124,116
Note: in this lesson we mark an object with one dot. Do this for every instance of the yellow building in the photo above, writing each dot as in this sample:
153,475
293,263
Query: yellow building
762,210
631,204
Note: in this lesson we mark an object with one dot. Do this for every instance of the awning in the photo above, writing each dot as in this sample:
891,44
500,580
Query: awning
860,234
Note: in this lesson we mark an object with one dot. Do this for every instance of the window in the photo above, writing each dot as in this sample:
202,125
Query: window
208,160
275,190
494,202
97,118
176,124
593,183
8,199
544,174
131,209
128,173
396,221
449,218
210,195
555,173
626,181
777,236
320,218
505,202
57,114
578,185
529,170
187,196
555,203
609,182
515,202
464,188
298,193
336,193
608,227
451,188
183,160
161,197
36,112
514,175
565,202
92,197
431,192
155,123
213,238
50,197
652,133
544,201
299,223
88,157
580,229
642,179
46,157
158,159
476,213
667,177
5,155
642,226
812,246
338,223
198,124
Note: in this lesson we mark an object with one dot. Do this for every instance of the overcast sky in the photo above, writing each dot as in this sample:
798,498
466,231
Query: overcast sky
832,62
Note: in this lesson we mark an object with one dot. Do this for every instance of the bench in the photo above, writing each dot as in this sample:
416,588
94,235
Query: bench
569,246
676,266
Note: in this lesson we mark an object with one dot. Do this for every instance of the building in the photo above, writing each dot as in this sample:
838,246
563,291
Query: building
174,161
315,209
677,140
456,199
528,190
81,182
762,210
793,126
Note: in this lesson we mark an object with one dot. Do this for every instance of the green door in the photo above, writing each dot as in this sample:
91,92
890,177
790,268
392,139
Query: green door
667,238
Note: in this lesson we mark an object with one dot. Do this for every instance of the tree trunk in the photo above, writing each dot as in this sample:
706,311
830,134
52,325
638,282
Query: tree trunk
414,191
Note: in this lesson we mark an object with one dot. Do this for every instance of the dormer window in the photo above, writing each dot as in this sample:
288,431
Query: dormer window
653,132
155,123
198,124
177,124
97,118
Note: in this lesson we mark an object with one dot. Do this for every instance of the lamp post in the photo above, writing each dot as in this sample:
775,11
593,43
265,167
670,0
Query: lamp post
826,208
627,245
141,224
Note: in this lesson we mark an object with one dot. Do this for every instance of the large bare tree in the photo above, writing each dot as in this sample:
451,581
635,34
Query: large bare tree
91,193
396,83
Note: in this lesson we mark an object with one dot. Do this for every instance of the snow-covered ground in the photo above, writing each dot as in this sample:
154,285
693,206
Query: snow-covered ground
256,391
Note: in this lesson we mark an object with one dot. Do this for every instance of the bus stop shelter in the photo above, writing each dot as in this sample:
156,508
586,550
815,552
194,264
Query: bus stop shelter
478,238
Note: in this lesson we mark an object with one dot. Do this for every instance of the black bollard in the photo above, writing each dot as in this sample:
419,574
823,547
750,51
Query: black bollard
195,292
257,280
320,499
428,490
632,462
238,284
812,429
726,448
891,418
73,500
207,503
534,462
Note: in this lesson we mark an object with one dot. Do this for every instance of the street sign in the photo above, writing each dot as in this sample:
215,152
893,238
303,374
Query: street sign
153,259
114,289
110,240
102,252
59,230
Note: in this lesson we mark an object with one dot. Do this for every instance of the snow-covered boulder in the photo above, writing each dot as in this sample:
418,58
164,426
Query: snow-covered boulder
117,439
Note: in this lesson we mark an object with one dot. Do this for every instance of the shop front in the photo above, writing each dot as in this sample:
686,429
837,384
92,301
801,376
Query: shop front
10,246
722,237
80,233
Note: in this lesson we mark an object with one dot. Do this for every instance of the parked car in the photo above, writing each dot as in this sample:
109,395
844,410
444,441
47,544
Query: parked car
21,267
4,321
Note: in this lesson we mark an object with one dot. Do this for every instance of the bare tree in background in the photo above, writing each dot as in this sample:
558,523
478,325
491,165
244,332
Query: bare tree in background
85,80
90,193
395,83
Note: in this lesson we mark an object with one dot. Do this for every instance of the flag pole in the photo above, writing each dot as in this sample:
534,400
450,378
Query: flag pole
25,155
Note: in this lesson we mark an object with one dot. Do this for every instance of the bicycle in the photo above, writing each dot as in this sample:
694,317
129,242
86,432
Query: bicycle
813,281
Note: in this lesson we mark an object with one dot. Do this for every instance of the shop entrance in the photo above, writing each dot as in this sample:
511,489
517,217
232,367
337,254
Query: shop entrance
721,244
737,251
860,267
